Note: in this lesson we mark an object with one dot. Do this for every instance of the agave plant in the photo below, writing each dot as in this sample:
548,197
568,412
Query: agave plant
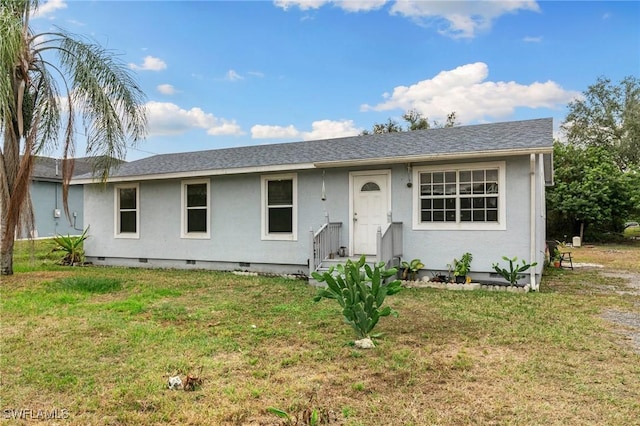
360,294
72,246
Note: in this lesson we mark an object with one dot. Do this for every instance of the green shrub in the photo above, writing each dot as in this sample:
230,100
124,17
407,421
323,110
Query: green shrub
360,294
411,269
462,267
513,274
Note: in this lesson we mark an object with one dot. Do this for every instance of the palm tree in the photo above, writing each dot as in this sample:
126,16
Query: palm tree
40,100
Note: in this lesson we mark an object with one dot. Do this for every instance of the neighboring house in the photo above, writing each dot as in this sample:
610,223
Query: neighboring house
286,208
46,198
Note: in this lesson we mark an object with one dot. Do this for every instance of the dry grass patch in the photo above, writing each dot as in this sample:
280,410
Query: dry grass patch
614,256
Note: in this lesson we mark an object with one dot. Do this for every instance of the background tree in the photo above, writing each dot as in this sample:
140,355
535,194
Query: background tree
415,121
590,192
608,116
35,115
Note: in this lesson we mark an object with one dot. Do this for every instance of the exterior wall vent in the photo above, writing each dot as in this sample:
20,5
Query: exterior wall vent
100,257
244,264
143,260
191,262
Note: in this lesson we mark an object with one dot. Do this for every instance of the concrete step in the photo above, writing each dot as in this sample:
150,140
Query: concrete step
328,263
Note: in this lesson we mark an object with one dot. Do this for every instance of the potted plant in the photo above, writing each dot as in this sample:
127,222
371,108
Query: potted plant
555,258
462,267
410,269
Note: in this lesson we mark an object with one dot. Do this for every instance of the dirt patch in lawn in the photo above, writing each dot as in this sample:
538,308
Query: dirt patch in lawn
627,323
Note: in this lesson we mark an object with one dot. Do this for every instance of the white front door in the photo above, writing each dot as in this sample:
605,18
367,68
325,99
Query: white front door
370,205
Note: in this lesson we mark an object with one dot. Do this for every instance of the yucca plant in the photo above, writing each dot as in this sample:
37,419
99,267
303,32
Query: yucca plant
72,246
360,293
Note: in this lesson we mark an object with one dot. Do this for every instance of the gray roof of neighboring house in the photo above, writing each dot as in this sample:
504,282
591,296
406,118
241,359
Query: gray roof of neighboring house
50,169
519,136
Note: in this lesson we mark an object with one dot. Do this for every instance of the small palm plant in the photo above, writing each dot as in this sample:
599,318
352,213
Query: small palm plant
72,246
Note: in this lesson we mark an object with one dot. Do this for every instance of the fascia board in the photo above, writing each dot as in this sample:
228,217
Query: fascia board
200,173
433,157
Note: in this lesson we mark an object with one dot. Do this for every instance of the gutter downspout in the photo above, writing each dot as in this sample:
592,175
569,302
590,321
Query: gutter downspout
532,219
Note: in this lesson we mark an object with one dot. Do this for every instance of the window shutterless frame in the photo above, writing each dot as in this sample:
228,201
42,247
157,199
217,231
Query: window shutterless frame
460,196
279,213
127,211
195,209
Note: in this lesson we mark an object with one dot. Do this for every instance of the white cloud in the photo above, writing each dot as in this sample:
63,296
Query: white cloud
360,5
456,19
348,5
165,118
322,129
150,63
301,4
327,129
166,89
47,8
233,76
460,19
261,131
466,91
531,39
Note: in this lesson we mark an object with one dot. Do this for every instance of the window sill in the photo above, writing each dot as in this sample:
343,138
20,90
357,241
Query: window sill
128,236
460,227
275,237
194,236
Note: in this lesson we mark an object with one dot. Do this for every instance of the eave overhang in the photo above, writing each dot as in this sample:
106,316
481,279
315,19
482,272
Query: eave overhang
479,155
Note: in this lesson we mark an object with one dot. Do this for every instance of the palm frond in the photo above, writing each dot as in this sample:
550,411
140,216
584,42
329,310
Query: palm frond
108,98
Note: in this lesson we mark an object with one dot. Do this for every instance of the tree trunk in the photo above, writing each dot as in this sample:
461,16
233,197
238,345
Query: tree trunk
6,258
7,237
10,203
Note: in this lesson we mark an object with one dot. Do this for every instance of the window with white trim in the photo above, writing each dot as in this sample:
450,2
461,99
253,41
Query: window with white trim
468,196
127,218
280,210
195,209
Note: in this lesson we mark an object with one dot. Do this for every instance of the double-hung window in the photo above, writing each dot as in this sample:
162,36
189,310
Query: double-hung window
465,196
195,209
127,209
279,207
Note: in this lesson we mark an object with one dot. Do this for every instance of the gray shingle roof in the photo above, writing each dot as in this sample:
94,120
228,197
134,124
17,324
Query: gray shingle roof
516,135
44,168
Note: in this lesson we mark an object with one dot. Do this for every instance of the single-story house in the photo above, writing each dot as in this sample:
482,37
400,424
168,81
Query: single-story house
287,208
46,199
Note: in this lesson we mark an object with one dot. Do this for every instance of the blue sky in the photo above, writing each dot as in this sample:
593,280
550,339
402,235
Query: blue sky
222,74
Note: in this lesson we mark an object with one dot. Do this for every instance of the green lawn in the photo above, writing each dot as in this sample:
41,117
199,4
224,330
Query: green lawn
98,344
